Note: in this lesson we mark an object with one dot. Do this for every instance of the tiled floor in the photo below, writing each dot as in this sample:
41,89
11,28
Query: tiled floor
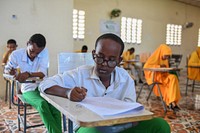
185,121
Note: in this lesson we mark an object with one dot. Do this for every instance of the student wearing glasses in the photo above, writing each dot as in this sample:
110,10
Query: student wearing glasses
104,79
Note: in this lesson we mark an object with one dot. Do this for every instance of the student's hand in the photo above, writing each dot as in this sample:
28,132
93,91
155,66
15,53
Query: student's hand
21,77
12,71
78,94
163,65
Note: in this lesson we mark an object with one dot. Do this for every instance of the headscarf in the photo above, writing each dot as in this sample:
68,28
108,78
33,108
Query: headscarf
198,51
156,57
155,60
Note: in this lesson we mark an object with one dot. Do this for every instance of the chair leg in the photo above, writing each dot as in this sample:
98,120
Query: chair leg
25,118
151,89
141,90
161,97
193,83
186,86
18,117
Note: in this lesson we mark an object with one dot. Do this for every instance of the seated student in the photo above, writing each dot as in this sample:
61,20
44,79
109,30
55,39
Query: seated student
33,62
137,66
194,60
11,46
170,87
104,79
83,49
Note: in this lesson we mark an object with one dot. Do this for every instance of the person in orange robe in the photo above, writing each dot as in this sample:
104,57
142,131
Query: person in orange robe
170,86
194,60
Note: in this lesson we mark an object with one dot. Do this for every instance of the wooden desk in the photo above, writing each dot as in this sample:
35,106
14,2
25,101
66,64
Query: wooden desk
162,69
12,80
193,66
86,118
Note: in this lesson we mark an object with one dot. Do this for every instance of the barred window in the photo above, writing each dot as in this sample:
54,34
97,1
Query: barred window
78,24
173,34
131,30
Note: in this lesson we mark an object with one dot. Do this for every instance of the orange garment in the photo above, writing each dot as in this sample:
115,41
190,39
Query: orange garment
170,87
194,73
126,57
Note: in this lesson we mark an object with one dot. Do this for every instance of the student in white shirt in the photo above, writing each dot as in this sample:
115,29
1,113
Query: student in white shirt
104,79
32,61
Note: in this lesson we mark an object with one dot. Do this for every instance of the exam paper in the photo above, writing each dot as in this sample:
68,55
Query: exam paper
106,106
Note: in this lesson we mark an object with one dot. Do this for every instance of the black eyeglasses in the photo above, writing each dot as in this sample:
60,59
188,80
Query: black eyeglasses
100,60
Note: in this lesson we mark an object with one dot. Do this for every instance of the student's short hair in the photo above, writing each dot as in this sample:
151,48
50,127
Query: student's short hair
112,37
11,41
132,49
39,39
84,47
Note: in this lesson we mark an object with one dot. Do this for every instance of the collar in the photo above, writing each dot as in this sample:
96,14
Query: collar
25,55
115,75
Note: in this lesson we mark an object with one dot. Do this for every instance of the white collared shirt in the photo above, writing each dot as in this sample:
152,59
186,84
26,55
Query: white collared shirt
19,59
122,86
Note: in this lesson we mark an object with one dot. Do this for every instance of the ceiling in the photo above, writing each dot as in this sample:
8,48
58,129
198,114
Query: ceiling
190,2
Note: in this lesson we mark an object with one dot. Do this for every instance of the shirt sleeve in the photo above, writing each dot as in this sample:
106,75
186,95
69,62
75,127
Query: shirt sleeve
51,81
130,95
65,80
12,63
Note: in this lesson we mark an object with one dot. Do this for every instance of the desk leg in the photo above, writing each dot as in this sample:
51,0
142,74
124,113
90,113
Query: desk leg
164,105
64,123
11,87
6,93
70,126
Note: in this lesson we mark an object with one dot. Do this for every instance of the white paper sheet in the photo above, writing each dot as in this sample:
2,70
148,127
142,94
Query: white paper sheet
105,106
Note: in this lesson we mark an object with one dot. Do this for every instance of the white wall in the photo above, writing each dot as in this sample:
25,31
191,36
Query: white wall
52,18
155,15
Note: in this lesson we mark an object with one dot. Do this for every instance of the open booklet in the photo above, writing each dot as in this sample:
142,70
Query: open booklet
106,106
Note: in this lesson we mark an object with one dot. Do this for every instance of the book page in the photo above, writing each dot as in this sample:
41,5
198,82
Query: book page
106,106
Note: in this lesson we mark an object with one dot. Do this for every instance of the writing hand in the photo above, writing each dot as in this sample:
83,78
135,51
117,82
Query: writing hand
163,65
21,77
78,94
12,71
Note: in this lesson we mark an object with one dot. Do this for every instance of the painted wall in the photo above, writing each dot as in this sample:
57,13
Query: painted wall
156,14
51,18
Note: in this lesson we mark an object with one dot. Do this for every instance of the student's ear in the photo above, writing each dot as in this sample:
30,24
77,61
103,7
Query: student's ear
93,52
120,60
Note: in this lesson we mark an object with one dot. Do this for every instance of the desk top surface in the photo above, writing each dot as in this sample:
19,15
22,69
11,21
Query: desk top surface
29,80
86,118
129,61
163,69
190,66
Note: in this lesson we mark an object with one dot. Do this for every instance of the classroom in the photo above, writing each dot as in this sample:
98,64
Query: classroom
54,19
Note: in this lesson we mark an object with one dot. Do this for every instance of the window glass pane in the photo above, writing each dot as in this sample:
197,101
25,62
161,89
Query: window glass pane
78,24
173,34
131,30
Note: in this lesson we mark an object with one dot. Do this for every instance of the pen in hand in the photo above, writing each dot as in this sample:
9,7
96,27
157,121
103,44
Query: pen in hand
78,94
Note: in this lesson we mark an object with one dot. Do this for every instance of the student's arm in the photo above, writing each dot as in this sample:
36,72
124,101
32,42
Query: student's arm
5,58
63,86
76,94
21,77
